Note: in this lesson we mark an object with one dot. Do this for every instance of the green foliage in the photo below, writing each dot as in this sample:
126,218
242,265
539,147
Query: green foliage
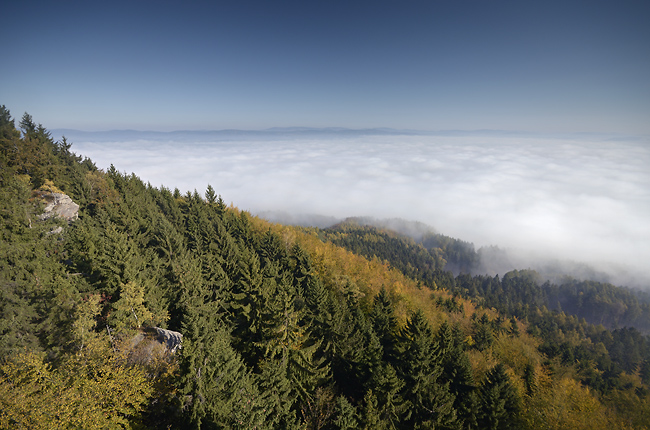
429,401
385,324
129,310
499,402
346,415
483,333
386,387
217,389
279,398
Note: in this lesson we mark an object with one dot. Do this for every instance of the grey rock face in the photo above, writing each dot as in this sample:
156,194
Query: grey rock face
171,339
60,205
57,230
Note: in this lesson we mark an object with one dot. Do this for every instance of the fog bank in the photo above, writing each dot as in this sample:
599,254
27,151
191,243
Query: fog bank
585,198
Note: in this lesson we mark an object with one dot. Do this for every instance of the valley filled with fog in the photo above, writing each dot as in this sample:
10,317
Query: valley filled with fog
584,198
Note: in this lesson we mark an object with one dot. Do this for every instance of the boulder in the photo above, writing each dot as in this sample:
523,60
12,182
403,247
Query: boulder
61,205
172,340
152,343
57,230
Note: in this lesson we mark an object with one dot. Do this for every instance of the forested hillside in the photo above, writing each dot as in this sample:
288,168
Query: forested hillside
282,327
434,258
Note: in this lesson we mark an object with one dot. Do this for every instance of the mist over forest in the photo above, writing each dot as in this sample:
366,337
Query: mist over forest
124,304
570,203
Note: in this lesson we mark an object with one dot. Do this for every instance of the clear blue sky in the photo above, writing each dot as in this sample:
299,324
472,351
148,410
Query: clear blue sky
429,65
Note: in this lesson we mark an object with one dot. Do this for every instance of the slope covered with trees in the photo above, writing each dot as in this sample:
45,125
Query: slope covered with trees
281,329
434,260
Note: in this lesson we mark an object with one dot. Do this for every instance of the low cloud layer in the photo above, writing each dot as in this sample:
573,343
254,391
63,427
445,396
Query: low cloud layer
583,198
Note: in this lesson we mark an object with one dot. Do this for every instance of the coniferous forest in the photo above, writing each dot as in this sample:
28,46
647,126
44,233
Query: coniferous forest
351,327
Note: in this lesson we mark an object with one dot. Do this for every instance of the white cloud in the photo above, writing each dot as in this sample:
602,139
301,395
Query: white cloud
585,199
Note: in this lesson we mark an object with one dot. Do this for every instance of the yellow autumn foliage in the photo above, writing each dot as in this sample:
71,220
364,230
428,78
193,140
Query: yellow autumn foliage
92,389
566,405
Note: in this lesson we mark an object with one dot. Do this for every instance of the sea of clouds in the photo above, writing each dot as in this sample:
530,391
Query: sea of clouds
585,198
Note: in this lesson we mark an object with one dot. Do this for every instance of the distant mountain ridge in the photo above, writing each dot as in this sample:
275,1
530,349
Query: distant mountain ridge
294,132
226,134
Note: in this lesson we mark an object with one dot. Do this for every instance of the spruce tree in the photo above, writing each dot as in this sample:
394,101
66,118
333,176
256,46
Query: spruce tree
353,349
217,388
385,324
287,338
483,333
430,404
277,393
499,402
346,415
386,387
457,371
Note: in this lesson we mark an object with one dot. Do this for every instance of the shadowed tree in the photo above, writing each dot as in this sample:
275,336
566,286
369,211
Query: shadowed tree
384,324
499,402
430,404
457,371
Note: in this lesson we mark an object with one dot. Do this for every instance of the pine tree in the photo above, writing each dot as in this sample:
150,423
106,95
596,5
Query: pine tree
530,382
483,333
218,389
278,396
302,268
353,349
370,415
210,195
644,371
249,302
284,337
9,135
120,260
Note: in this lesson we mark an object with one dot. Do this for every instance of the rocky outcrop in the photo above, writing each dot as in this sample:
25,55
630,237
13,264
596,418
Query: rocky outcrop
61,205
172,340
57,230
152,344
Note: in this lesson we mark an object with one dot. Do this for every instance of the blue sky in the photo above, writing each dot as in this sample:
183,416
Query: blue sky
427,65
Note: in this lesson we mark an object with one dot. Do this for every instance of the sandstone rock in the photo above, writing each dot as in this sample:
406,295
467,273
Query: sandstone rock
152,343
61,205
57,230
171,339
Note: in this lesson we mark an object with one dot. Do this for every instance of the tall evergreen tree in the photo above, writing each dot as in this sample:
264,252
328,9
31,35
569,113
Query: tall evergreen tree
483,333
284,337
346,415
353,349
386,388
218,389
499,402
279,399
457,371
385,324
430,404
